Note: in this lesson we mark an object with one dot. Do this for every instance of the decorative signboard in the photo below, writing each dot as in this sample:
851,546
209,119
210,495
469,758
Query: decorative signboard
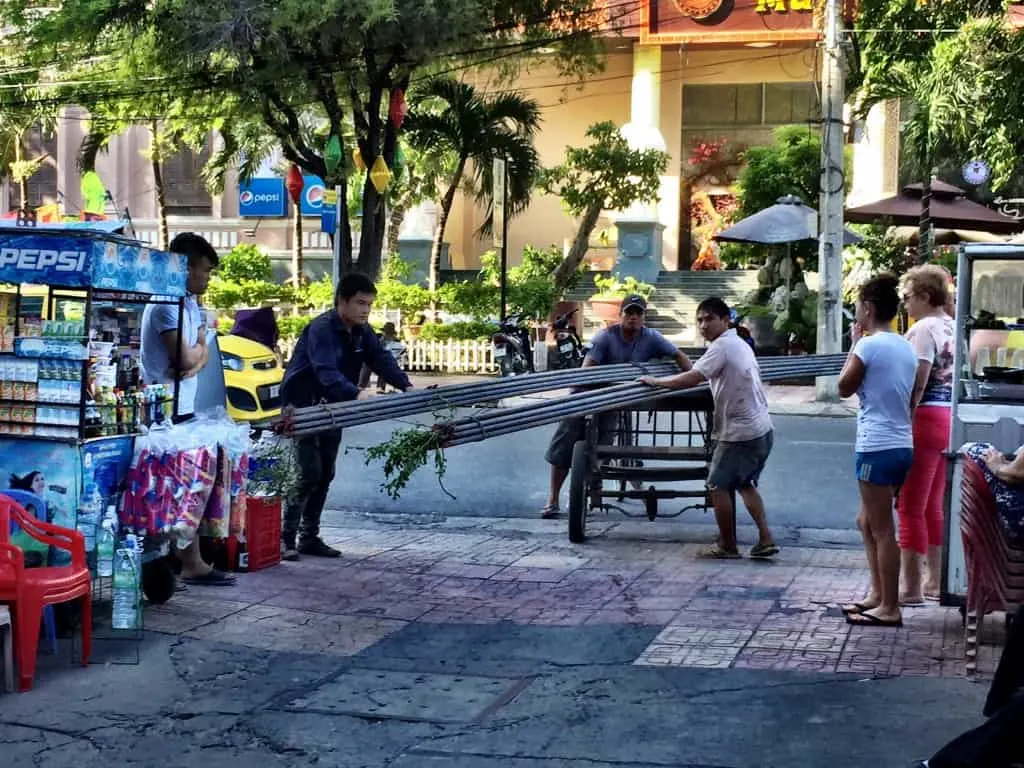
728,21
63,259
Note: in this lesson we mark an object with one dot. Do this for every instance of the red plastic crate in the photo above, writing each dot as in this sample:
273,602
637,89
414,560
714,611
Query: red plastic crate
263,531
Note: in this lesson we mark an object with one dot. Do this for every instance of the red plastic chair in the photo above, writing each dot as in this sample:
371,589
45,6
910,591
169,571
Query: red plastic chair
29,590
995,568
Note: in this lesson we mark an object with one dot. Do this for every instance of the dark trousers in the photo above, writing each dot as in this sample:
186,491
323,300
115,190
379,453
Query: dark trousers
316,456
996,743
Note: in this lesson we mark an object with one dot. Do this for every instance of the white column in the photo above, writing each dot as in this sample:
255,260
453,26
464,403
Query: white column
643,129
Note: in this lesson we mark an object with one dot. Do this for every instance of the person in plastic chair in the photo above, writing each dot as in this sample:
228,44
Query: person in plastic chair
325,369
627,342
997,742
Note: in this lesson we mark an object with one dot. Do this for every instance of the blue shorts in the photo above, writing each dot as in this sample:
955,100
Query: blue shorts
884,467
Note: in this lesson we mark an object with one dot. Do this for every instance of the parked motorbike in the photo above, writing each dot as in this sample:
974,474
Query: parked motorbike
570,346
512,350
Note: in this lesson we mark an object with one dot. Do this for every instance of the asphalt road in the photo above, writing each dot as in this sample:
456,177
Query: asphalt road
808,485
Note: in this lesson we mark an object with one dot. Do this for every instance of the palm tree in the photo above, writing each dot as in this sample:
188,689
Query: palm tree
452,117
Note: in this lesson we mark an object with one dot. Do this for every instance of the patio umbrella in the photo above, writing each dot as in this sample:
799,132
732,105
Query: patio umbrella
788,221
949,209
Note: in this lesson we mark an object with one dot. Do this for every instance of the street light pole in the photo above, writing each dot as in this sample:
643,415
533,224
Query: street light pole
830,233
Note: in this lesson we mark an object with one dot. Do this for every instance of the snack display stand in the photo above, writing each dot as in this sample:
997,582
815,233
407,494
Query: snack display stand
71,396
988,386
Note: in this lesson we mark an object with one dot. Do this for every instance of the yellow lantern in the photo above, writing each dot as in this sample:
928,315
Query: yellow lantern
357,159
380,175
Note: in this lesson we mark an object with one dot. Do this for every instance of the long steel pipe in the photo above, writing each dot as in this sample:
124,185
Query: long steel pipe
608,398
517,419
351,414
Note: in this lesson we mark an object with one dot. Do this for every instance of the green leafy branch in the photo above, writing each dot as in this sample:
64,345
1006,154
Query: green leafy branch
409,449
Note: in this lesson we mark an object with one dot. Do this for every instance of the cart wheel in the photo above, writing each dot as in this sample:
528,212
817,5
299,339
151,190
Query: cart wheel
158,581
579,492
651,503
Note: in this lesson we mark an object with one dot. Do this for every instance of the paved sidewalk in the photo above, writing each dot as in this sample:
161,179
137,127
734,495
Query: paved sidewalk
490,643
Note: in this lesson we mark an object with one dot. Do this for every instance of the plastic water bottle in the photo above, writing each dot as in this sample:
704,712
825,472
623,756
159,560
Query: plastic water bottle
89,511
105,550
126,586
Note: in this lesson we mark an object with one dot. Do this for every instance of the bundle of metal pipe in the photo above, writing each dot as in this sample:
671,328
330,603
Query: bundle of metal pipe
307,421
339,415
474,429
353,413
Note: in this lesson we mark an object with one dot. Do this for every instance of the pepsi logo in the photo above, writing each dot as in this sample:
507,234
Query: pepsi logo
246,198
315,195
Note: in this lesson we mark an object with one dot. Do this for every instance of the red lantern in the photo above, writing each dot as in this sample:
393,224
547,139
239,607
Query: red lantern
398,109
295,183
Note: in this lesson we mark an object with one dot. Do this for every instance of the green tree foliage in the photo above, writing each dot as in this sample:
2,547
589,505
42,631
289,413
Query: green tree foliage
244,278
607,174
790,165
453,119
344,61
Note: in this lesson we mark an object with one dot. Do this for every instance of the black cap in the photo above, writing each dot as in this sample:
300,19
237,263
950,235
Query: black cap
636,300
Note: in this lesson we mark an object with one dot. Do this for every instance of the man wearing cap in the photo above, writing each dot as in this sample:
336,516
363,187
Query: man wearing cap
627,342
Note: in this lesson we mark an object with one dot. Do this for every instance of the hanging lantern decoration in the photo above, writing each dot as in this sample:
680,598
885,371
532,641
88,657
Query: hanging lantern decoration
357,160
294,183
332,155
398,164
380,175
398,109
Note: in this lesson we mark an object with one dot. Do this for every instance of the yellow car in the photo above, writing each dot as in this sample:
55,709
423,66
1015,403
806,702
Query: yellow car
252,378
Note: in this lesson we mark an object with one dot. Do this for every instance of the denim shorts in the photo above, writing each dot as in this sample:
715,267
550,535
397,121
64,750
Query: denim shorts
738,465
884,467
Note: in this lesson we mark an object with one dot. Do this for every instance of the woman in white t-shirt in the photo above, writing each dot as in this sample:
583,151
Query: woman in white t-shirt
880,369
920,505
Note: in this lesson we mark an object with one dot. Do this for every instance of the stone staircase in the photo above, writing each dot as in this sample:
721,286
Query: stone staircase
676,296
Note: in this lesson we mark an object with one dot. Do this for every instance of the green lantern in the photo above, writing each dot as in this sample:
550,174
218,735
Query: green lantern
332,155
398,163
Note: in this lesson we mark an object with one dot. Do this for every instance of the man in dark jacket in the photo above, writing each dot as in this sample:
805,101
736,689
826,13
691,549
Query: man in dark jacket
325,368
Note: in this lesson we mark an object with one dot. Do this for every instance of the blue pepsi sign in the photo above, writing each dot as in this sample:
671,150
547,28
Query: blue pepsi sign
262,198
81,259
311,202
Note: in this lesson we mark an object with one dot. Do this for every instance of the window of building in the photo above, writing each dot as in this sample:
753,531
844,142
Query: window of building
42,185
185,191
724,119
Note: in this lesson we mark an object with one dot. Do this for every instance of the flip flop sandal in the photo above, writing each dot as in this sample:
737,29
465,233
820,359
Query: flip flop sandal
869,620
214,578
764,550
717,552
854,608
550,512
913,603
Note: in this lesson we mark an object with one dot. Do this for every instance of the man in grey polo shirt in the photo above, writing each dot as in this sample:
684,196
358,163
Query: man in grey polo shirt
742,431
627,342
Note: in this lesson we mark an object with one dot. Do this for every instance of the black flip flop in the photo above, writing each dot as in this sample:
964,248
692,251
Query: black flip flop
214,578
855,608
868,620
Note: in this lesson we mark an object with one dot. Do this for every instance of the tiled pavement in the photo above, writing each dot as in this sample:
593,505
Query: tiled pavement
781,615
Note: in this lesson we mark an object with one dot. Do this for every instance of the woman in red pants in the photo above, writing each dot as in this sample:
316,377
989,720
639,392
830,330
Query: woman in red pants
920,506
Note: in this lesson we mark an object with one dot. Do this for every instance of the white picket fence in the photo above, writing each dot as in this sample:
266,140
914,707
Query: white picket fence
450,356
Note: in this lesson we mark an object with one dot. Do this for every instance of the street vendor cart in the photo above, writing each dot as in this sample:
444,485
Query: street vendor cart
988,387
667,441
72,398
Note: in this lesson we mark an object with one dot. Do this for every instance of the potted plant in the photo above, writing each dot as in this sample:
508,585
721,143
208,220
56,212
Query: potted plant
610,293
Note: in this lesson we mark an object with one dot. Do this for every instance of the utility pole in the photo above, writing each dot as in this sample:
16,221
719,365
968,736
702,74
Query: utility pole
830,232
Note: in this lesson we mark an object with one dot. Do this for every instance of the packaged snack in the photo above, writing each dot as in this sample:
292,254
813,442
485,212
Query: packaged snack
31,392
18,390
